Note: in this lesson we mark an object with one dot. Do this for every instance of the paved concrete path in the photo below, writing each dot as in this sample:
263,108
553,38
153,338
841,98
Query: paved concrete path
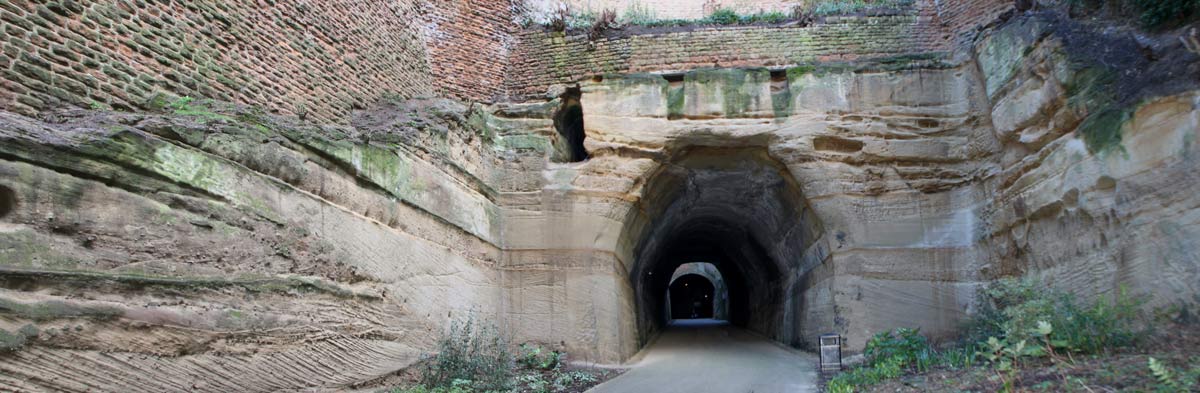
705,355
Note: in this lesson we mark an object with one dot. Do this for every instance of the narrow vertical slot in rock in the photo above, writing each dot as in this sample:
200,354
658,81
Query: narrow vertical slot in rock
569,123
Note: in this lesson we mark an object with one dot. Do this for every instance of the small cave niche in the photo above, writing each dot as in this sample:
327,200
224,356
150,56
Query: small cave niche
835,144
928,123
568,121
8,201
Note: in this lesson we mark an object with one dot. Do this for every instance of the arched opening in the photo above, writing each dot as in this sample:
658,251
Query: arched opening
741,211
569,123
691,296
718,302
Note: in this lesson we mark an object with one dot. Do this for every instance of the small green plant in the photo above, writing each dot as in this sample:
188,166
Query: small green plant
607,19
844,7
638,14
534,382
1016,309
957,358
458,386
1172,380
905,344
560,19
188,106
476,354
535,357
889,354
1007,356
724,16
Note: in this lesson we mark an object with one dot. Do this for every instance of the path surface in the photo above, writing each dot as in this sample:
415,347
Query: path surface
705,355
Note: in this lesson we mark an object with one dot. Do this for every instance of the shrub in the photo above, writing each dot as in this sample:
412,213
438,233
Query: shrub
638,14
1019,307
888,355
764,17
558,21
459,386
843,7
535,357
723,16
606,20
1017,319
470,356
906,344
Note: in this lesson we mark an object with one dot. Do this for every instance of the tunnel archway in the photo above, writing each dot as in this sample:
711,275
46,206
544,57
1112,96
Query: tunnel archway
720,297
692,296
738,209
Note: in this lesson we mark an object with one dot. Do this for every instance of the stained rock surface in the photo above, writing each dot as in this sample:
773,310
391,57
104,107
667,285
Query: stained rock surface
209,246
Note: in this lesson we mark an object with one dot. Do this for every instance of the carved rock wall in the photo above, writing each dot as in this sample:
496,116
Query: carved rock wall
212,247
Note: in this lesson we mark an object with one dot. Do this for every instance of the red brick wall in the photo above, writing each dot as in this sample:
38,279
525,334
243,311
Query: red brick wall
542,59
469,43
962,16
683,9
325,58
319,57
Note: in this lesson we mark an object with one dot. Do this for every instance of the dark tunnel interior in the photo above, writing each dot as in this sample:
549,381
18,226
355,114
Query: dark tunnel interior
737,209
692,296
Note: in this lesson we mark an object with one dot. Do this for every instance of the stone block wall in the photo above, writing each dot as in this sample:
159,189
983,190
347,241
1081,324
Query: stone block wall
544,58
319,59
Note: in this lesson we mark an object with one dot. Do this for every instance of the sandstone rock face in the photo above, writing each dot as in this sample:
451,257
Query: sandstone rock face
215,248
225,251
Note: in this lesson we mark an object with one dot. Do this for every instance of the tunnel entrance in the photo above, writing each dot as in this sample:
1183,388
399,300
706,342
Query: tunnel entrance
715,305
742,212
691,297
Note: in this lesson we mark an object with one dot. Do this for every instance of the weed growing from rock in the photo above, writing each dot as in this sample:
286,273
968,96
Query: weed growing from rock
470,356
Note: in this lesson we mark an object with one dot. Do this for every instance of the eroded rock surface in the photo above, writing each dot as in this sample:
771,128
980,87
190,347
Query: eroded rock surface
212,247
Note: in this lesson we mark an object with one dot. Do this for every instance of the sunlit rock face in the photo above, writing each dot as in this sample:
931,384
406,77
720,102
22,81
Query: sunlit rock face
217,248
843,195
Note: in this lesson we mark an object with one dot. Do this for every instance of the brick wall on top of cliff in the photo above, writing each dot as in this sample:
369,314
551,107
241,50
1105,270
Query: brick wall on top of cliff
543,58
964,16
469,44
322,58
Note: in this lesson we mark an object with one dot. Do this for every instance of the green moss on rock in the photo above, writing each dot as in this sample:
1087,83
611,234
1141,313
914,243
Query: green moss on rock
675,99
735,86
53,309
